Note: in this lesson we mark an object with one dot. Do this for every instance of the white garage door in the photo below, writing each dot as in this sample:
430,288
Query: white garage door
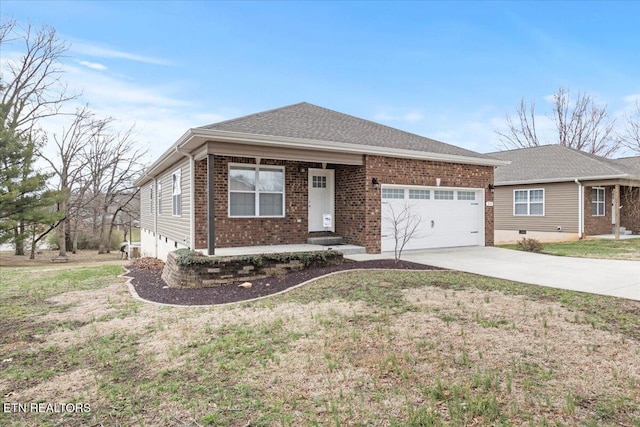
442,217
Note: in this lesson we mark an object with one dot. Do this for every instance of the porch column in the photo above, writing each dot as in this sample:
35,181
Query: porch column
616,210
211,215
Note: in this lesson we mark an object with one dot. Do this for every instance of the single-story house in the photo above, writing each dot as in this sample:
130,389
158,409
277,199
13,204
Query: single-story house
286,175
555,193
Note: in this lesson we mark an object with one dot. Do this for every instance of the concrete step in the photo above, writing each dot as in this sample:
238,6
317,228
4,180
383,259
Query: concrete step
623,230
326,240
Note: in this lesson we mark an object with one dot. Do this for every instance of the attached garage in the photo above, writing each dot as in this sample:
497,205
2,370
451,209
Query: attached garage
442,216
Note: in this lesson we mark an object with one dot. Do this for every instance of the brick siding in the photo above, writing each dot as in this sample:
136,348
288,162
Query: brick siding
594,225
357,203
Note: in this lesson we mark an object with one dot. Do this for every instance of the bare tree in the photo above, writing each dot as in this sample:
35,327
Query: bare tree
580,124
403,224
31,84
30,90
114,162
631,133
68,164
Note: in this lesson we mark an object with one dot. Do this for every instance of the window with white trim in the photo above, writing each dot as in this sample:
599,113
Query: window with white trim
256,191
151,199
176,192
393,193
443,194
419,194
466,195
597,201
528,202
159,198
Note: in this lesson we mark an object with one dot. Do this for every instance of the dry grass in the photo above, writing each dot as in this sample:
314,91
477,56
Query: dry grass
44,256
361,348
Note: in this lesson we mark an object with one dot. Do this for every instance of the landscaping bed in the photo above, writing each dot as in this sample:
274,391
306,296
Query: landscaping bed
146,279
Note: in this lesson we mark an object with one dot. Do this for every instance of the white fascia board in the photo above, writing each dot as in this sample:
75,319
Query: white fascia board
277,141
195,137
566,179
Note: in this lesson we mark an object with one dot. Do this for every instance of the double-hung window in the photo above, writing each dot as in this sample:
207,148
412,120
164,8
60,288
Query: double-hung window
256,191
176,193
597,201
528,202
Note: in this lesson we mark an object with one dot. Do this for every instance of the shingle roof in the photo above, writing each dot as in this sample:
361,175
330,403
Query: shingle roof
311,122
631,163
549,163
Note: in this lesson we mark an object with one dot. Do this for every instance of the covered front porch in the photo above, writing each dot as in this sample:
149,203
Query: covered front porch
612,209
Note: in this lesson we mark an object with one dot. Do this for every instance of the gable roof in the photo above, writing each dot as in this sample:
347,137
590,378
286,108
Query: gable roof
312,123
556,163
306,126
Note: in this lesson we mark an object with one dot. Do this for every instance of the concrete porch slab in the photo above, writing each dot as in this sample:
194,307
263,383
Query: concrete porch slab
271,249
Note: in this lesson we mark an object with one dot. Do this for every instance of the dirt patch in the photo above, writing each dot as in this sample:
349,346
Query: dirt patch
149,285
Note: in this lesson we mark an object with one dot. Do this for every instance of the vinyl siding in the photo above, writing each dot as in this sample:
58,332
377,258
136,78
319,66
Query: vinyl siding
146,219
169,226
561,208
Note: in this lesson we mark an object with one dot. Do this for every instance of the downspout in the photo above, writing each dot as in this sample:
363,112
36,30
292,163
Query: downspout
192,214
580,208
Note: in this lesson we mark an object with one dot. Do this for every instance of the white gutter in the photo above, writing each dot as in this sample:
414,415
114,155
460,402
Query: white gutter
343,147
198,137
564,179
580,208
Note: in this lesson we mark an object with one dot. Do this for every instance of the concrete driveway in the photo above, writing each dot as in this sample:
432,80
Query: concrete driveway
597,276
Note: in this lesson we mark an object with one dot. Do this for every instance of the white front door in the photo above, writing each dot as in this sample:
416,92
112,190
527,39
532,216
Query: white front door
321,200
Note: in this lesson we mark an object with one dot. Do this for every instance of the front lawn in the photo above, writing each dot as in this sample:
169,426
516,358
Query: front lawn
606,249
438,348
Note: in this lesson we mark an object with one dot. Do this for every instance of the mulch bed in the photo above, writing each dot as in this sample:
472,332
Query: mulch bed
145,274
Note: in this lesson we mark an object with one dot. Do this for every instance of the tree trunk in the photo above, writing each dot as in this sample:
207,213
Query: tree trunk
62,232
19,234
34,242
75,237
103,224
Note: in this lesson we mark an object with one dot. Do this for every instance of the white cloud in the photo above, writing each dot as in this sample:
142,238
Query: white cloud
90,49
409,117
93,65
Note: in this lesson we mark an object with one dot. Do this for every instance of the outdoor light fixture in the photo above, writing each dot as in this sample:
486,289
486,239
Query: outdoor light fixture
491,187
374,182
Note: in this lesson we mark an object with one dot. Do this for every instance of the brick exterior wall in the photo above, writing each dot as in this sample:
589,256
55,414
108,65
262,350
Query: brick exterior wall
357,203
416,172
594,225
200,203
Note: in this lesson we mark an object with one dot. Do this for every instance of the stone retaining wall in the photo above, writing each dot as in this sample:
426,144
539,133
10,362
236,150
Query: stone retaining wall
187,269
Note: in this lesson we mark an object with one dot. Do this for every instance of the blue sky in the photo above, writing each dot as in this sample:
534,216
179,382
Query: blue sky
446,70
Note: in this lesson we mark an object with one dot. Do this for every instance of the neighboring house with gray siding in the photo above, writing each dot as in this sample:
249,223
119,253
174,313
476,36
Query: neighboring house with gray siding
554,193
291,174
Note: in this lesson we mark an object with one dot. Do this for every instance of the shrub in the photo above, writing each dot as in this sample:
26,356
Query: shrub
86,240
529,245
